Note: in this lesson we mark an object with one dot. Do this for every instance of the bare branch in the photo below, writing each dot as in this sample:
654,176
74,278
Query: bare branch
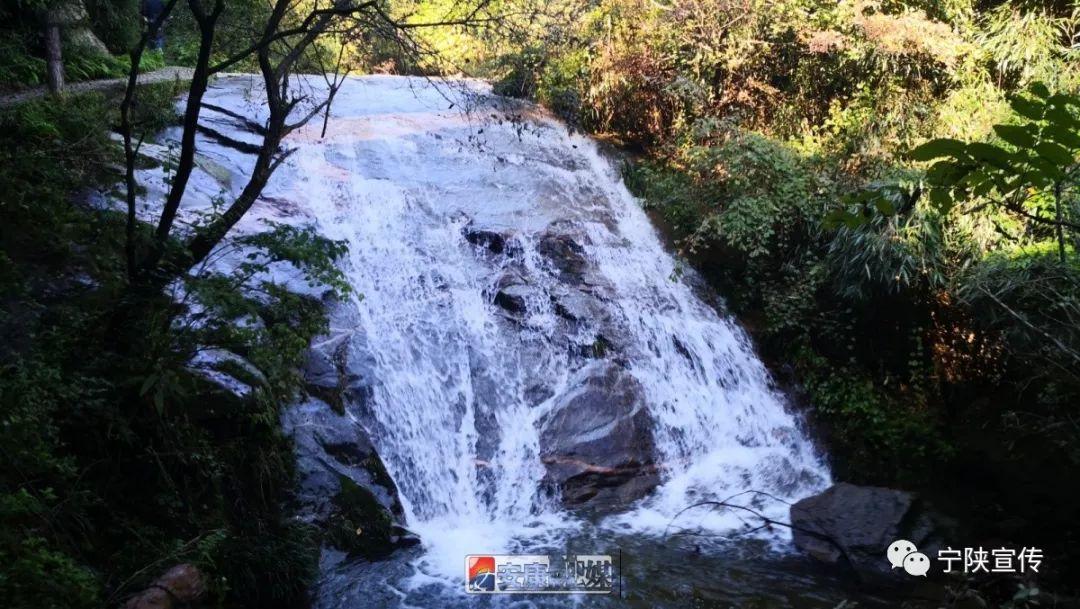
130,152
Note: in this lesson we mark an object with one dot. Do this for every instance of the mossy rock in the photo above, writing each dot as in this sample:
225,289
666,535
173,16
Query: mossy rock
361,526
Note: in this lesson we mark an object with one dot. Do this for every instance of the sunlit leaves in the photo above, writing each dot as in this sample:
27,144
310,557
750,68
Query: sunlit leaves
1029,157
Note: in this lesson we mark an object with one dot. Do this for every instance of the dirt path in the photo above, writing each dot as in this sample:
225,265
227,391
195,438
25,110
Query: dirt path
163,75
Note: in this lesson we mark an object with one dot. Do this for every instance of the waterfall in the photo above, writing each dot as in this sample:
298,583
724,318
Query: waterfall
499,264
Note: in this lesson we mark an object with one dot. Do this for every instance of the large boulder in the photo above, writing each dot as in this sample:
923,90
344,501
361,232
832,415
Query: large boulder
344,487
597,442
74,19
854,526
181,586
565,254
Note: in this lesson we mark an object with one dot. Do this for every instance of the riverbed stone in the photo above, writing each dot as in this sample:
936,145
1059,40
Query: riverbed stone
597,442
853,526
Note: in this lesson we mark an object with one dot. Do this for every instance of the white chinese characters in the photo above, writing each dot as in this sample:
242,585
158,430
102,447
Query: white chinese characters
998,560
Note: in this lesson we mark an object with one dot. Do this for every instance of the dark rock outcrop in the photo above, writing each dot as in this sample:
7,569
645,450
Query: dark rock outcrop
597,441
344,487
512,293
222,377
326,374
565,254
854,525
486,239
512,298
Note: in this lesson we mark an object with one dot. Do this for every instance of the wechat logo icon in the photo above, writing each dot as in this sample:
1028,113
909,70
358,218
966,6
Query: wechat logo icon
903,554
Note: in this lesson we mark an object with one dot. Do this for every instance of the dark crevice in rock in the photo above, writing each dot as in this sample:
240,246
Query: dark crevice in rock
239,120
229,142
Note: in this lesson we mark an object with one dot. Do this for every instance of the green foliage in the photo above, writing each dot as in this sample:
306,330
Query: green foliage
877,437
360,525
82,63
118,23
17,67
270,567
893,255
301,246
37,575
1024,43
50,148
1039,154
767,191
121,458
1032,300
1031,175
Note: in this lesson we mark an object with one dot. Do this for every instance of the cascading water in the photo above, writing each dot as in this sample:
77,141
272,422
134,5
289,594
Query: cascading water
499,265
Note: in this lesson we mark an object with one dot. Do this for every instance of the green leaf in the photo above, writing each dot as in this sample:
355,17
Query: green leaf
1063,100
1039,89
885,206
989,153
1021,136
1055,153
1061,119
941,199
982,188
1040,178
946,173
936,149
1027,108
148,382
837,217
1064,137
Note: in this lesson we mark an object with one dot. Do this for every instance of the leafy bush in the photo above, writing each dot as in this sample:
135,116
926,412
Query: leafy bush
17,67
118,23
119,456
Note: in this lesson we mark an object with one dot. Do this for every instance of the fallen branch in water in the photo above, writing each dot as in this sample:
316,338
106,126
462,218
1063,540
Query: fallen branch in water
767,522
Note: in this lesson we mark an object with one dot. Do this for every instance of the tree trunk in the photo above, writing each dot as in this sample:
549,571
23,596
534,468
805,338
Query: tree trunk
54,61
1060,227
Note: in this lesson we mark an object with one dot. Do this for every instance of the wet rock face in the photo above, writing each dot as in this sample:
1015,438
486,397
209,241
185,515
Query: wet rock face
597,442
565,254
486,239
513,294
330,446
854,526
344,487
